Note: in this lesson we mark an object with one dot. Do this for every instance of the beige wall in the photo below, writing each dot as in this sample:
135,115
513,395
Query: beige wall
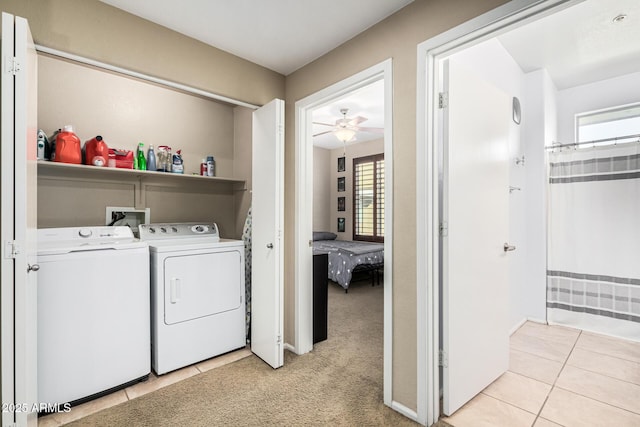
242,163
396,38
321,189
352,151
125,111
98,31
325,188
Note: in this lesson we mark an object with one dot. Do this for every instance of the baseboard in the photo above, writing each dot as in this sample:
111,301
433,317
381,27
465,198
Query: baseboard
541,321
525,320
409,413
517,326
289,347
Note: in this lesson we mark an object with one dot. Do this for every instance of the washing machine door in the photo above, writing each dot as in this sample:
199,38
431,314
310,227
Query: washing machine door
200,285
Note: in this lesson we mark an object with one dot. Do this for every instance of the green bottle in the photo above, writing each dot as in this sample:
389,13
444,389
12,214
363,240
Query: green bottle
142,162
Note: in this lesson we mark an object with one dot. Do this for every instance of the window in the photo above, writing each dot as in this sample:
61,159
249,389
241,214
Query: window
614,125
368,198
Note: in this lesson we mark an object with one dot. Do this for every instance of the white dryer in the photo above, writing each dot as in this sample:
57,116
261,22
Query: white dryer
197,293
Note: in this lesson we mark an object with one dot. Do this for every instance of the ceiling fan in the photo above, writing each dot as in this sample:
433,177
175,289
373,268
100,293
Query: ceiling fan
346,128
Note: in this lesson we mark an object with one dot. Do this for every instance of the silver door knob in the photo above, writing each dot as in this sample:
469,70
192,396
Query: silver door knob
509,248
270,245
34,267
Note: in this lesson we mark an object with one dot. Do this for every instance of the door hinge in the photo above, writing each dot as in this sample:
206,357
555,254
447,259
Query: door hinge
11,249
13,65
279,340
443,100
443,360
444,229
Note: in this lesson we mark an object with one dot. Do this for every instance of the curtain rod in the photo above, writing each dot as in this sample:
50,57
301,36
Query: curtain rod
595,141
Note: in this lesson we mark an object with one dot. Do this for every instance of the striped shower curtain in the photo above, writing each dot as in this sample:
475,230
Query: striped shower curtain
593,276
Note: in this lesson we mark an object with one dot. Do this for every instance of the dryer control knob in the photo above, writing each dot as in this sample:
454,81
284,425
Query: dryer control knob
84,232
199,229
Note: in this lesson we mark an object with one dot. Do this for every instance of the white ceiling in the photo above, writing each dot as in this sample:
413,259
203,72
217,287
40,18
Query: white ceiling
282,35
580,44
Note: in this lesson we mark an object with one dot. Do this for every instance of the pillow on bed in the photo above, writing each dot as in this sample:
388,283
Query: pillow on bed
324,235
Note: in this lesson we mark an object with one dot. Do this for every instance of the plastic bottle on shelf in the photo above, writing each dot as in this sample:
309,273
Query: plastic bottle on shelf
151,159
142,162
52,142
203,168
177,164
42,145
68,146
163,159
96,152
211,166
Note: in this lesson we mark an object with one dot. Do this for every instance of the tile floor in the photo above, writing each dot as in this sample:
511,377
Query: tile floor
560,377
153,383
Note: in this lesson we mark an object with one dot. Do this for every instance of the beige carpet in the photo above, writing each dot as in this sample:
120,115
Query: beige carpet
338,383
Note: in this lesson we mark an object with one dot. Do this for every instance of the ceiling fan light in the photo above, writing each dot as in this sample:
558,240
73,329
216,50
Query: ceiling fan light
344,135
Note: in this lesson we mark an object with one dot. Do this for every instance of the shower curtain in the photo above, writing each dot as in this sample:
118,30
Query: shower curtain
593,277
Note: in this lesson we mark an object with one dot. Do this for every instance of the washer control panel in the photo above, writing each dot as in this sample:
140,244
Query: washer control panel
178,231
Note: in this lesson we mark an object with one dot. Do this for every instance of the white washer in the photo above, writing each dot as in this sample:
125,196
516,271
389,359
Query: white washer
197,293
93,312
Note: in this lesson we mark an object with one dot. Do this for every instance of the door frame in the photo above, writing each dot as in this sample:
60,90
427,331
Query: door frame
19,223
7,297
428,150
303,316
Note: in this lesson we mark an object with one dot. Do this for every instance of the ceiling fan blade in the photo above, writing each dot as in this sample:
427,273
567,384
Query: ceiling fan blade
356,120
372,130
323,124
322,133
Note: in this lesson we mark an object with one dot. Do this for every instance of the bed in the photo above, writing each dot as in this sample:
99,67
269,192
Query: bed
348,257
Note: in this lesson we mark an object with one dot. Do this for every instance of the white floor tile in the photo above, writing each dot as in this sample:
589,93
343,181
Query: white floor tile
520,391
627,350
607,365
485,411
533,366
600,387
570,409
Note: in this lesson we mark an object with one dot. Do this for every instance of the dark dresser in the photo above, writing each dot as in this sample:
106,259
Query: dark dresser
320,268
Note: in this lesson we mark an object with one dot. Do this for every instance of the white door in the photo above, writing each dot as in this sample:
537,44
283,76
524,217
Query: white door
188,295
267,210
19,220
475,212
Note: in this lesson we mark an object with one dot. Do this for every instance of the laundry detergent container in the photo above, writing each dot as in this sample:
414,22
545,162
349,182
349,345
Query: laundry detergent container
96,152
68,146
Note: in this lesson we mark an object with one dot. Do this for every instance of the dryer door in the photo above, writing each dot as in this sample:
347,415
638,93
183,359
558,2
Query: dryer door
199,285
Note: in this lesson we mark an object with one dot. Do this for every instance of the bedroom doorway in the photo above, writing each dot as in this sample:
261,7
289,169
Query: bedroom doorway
307,111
